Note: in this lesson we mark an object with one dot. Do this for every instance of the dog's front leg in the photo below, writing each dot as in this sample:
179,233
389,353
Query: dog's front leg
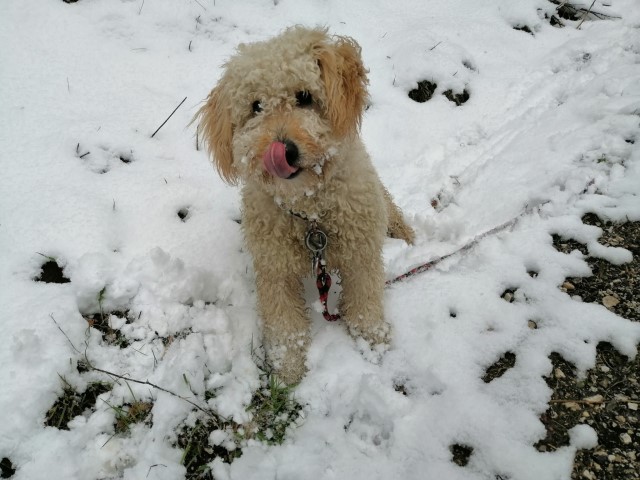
285,324
362,294
280,262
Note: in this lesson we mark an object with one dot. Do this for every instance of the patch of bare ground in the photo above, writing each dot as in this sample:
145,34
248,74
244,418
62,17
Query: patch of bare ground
608,398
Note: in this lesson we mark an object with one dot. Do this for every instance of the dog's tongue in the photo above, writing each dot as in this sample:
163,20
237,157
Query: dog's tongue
275,161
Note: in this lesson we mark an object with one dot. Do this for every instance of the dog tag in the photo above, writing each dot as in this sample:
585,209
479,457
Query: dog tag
316,240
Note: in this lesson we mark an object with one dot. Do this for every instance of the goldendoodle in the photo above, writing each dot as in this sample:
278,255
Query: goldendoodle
284,122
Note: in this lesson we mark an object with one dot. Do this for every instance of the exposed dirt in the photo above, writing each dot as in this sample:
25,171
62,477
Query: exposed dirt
423,92
6,468
457,98
71,404
102,323
609,397
51,273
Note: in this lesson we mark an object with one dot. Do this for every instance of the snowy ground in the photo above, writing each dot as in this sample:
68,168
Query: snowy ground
550,131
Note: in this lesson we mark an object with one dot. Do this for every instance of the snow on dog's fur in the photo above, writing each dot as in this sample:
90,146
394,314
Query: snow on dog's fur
284,121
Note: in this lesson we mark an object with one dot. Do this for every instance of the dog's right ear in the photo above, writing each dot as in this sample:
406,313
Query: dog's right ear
216,128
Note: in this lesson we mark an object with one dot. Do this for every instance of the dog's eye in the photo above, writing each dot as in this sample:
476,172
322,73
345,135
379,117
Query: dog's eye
256,106
304,99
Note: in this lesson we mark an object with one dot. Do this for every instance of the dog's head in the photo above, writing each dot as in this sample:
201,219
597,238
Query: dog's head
283,108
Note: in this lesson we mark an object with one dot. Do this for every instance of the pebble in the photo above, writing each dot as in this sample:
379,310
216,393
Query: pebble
632,406
594,399
588,475
559,373
568,286
626,438
610,301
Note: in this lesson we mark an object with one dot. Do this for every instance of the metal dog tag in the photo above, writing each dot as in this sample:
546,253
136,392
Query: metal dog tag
316,240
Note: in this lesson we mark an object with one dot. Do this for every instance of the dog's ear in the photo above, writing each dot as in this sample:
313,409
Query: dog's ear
345,82
216,127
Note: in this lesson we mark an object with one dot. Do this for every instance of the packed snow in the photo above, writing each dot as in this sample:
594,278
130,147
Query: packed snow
144,225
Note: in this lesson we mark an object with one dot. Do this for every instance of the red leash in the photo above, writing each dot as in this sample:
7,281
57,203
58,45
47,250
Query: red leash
316,241
432,263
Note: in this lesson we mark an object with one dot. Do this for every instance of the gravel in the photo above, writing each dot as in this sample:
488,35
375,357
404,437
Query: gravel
607,398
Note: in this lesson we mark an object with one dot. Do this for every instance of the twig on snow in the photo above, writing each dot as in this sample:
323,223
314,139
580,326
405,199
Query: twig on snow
174,111
90,366
586,14
587,401
155,465
64,333
153,385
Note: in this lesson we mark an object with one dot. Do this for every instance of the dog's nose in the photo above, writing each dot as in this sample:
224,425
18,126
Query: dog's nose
291,152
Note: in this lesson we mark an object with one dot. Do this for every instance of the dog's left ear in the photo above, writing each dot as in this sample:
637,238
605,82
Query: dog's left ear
345,82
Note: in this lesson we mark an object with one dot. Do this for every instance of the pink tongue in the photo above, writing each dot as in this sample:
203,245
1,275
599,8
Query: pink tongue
275,161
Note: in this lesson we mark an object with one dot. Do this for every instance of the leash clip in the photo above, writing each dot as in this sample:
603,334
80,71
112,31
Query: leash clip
315,240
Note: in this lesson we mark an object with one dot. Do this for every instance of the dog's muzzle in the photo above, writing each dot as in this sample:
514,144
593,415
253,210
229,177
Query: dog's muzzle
280,158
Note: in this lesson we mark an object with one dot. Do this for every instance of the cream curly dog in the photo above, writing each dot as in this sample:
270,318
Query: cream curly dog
284,121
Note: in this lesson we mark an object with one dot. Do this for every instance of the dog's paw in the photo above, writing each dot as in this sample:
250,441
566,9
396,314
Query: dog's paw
402,231
377,335
288,360
371,353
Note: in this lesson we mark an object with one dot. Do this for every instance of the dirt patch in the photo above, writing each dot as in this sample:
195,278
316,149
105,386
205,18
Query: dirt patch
6,468
51,272
423,92
460,454
71,404
457,98
101,321
523,28
198,451
500,367
608,397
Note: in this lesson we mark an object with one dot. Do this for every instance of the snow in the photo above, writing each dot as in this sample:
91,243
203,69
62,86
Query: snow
550,132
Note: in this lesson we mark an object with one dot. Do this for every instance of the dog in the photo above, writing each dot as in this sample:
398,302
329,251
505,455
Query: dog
284,122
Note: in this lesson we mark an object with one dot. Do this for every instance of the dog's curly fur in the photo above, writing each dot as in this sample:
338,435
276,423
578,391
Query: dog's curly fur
307,89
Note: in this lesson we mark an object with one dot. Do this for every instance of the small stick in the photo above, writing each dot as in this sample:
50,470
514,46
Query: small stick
155,465
90,366
174,111
147,382
64,333
433,48
569,400
586,14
